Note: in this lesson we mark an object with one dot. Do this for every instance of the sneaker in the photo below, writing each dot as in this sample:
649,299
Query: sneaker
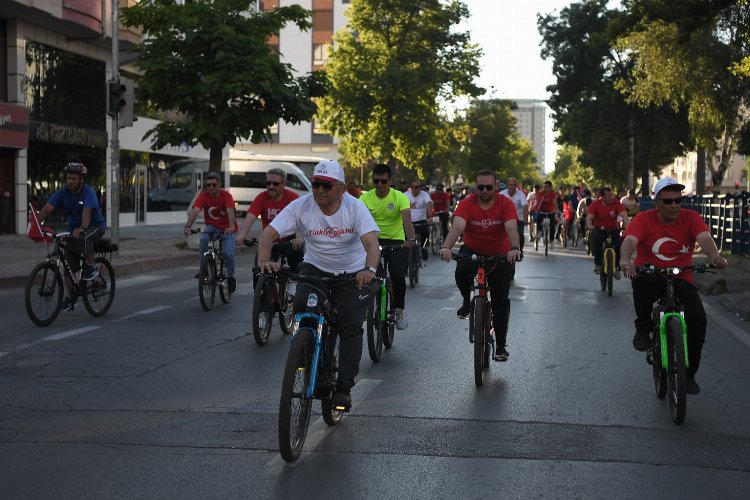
641,341
341,401
68,304
401,320
424,253
597,269
618,275
501,354
89,273
463,311
232,285
692,386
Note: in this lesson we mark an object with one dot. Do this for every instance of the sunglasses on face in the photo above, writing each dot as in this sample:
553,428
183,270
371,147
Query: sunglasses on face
485,187
273,183
327,186
211,184
416,187
380,181
512,186
669,201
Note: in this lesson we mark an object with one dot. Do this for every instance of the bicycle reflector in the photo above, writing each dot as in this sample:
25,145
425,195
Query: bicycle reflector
312,300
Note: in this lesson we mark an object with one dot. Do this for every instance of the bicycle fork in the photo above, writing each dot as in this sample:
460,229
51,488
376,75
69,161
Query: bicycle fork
665,317
383,302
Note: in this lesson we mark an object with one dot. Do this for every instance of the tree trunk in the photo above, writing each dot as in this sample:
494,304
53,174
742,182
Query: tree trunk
214,162
700,172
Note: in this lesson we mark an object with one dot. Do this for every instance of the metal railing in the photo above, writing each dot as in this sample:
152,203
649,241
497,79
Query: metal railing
727,217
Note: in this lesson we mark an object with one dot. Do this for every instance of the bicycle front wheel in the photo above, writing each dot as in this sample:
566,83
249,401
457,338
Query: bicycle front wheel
374,329
263,309
44,294
389,327
413,266
435,238
294,406
331,416
207,283
546,241
479,343
99,293
677,372
286,309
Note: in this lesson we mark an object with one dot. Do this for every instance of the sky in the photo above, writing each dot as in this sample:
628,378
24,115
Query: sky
511,67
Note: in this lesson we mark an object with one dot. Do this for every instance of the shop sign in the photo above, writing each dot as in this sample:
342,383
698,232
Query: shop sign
14,126
61,134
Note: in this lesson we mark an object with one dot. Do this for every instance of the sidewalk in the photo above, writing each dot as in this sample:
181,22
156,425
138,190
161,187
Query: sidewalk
141,249
146,248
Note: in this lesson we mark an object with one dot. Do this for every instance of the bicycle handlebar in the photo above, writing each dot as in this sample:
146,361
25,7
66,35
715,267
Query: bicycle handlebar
337,279
480,259
651,269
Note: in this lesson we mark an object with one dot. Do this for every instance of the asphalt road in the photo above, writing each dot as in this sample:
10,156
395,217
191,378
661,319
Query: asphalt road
161,399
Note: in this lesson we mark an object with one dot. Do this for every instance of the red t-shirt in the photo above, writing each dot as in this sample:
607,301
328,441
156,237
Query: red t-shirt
546,202
606,215
666,245
440,201
485,229
267,208
215,209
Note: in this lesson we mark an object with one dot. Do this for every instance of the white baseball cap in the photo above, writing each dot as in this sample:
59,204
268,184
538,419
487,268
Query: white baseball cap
328,171
665,182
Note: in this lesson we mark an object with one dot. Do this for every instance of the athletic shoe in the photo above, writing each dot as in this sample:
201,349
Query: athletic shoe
501,354
232,285
424,253
692,386
68,304
89,273
341,401
641,341
463,311
402,322
597,269
617,275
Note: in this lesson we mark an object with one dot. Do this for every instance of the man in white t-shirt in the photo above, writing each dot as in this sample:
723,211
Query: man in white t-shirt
420,203
522,206
340,237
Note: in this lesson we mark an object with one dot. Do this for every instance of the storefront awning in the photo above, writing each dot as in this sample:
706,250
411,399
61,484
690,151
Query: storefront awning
14,126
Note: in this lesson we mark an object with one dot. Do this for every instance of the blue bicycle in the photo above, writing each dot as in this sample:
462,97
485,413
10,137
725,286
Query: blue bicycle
312,362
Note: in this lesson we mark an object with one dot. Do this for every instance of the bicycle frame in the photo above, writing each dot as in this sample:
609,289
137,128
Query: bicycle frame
609,255
321,322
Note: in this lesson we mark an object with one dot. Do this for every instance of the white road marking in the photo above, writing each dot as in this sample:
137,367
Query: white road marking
51,338
318,430
176,287
145,311
138,280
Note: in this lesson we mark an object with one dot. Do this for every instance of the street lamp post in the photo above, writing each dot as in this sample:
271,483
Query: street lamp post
114,142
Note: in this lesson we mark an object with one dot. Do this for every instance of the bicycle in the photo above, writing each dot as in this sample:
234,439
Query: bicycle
311,365
480,314
436,235
212,272
415,256
271,293
576,232
381,315
44,287
607,274
546,223
668,354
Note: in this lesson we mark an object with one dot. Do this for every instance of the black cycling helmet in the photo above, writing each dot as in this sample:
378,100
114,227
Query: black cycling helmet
75,168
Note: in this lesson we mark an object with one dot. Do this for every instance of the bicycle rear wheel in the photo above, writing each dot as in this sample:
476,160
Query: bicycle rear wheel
487,336
294,406
479,343
99,293
263,309
207,283
435,238
610,278
414,266
331,416
677,373
546,240
576,233
374,329
44,294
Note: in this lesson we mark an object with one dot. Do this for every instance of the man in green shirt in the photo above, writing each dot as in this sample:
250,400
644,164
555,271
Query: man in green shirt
390,209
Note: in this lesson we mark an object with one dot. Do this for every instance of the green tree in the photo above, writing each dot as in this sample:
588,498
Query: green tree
587,109
389,70
210,62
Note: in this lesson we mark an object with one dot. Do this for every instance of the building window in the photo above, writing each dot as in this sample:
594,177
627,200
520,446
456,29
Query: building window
320,53
322,20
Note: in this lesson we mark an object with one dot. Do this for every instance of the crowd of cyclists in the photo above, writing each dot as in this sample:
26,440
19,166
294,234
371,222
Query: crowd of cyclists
338,228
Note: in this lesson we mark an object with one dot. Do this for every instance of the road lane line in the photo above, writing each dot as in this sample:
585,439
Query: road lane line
138,280
318,430
51,338
143,312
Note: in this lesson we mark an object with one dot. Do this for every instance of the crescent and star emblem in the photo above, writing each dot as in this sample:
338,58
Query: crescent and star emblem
657,247
211,213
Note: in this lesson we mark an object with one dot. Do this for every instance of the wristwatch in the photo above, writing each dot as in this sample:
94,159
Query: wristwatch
515,248
372,269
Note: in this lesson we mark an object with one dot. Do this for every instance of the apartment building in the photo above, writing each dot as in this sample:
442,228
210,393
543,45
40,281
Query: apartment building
530,117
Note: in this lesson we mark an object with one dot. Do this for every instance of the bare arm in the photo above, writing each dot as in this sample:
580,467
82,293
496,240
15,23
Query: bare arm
232,221
589,221
708,247
625,219
372,247
265,243
45,211
408,227
191,219
627,248
247,225
511,227
459,225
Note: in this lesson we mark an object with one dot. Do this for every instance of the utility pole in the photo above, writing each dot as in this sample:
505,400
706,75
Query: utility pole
114,142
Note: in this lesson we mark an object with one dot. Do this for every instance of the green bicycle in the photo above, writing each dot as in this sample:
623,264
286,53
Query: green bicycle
381,315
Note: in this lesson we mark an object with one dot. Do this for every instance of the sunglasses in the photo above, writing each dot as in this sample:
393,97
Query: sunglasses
512,186
668,201
211,184
380,181
485,187
273,183
327,186
416,187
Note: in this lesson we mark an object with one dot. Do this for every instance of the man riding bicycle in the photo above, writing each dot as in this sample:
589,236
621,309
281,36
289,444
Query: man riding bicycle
421,212
390,209
218,212
487,221
522,207
340,237
666,236
441,204
603,219
85,223
546,202
267,205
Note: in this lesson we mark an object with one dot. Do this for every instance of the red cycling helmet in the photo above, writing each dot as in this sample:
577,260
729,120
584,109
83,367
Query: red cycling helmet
75,168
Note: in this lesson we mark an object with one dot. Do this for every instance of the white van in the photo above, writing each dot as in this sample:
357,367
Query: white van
182,186
247,179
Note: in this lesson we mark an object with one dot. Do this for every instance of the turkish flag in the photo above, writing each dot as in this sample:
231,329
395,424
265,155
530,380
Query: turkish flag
37,232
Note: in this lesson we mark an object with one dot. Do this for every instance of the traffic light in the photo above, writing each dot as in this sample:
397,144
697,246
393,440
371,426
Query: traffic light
127,114
115,97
